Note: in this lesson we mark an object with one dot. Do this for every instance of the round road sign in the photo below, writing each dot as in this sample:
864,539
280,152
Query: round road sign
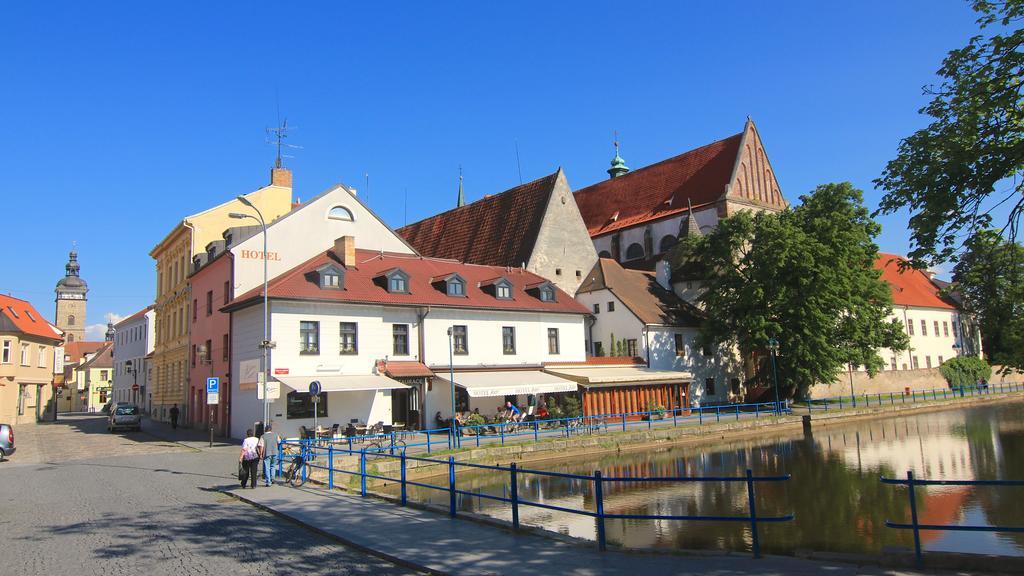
314,387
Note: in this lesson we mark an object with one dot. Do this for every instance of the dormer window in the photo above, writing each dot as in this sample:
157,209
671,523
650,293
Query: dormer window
398,283
503,291
456,286
395,281
547,293
331,277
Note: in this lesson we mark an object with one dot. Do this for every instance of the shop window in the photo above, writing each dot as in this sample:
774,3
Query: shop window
300,405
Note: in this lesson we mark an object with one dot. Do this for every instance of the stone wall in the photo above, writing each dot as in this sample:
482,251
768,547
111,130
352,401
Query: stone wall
884,382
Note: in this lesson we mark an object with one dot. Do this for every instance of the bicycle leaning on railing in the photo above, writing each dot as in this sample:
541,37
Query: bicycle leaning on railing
296,473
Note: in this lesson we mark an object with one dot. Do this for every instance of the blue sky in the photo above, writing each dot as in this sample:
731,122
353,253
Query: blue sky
121,118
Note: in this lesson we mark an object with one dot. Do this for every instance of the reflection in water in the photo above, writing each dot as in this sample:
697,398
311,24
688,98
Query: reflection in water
835,492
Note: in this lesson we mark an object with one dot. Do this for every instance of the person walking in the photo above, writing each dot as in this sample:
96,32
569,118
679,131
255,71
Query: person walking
174,417
268,450
249,458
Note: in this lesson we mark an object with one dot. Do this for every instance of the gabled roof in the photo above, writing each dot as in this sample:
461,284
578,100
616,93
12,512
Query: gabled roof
498,230
910,287
26,319
75,351
104,358
360,287
663,189
640,292
133,316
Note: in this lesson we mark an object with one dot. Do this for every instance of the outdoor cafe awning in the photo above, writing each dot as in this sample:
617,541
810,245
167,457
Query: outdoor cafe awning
506,383
609,376
341,383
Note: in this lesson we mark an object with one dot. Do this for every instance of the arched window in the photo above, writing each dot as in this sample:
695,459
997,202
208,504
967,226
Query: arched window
604,254
341,213
667,243
71,320
634,251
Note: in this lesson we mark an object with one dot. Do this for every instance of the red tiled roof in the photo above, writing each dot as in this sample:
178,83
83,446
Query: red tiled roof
102,359
300,283
75,351
641,293
659,190
27,319
909,287
498,230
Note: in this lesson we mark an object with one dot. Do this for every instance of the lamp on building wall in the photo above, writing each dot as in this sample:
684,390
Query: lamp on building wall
130,368
265,344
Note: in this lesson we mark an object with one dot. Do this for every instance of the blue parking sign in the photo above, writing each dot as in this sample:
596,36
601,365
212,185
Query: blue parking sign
212,385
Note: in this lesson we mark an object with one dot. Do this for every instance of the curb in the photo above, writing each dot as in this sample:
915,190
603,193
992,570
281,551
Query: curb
340,540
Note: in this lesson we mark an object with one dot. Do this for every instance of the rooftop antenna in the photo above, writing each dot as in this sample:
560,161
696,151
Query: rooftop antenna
405,209
366,175
519,165
276,137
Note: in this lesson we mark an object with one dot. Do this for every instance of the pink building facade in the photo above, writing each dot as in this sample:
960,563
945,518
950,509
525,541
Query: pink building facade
210,339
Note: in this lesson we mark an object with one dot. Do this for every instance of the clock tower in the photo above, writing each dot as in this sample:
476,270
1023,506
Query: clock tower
71,299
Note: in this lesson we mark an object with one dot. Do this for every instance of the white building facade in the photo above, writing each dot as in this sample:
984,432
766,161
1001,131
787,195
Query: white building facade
133,344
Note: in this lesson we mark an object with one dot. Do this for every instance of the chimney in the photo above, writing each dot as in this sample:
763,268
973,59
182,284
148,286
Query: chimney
663,274
281,177
345,250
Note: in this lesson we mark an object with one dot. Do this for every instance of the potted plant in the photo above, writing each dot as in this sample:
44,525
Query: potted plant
654,410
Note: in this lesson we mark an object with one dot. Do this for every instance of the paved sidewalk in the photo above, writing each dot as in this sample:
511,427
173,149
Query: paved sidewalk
191,437
434,542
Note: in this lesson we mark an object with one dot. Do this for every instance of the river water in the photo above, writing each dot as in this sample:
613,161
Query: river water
835,492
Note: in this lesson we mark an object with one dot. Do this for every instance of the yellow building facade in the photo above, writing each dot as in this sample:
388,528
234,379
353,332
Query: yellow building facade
173,306
27,355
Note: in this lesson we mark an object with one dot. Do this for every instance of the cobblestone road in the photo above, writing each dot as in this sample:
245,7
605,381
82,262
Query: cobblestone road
155,511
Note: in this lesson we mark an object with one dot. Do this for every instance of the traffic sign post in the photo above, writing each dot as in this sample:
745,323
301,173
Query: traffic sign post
314,393
212,390
212,399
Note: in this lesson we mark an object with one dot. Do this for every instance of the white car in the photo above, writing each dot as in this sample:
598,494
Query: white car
124,415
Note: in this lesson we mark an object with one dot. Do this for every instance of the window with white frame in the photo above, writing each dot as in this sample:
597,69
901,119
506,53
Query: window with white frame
309,337
508,339
24,354
349,343
5,353
41,360
503,290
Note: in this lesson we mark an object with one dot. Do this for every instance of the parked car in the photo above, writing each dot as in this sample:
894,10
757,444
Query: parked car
124,415
6,440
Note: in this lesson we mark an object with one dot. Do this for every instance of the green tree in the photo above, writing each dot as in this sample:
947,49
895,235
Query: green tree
964,371
989,278
945,172
805,277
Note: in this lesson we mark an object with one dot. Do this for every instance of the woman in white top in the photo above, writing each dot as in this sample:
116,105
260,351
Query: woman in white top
249,458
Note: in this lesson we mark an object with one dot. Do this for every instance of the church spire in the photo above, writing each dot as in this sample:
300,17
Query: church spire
462,197
618,164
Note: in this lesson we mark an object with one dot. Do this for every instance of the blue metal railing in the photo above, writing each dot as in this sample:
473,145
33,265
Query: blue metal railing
912,396
914,525
562,427
597,481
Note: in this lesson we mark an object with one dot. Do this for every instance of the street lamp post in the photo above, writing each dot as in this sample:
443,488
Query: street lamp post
773,347
853,393
451,377
265,344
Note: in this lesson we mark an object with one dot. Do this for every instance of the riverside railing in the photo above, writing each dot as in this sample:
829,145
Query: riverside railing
910,396
914,525
596,481
439,438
